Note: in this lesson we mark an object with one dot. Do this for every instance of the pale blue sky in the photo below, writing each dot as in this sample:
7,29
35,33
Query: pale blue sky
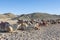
30,6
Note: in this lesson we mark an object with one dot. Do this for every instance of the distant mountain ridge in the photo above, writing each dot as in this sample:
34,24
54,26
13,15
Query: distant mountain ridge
29,16
37,16
7,15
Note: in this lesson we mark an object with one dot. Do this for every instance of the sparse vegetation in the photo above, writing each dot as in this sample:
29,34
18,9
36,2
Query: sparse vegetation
36,16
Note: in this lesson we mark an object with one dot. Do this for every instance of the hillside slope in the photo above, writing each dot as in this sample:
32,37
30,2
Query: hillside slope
37,16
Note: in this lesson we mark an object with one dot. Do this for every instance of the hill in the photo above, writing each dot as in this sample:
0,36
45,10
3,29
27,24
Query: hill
2,16
29,16
9,15
37,16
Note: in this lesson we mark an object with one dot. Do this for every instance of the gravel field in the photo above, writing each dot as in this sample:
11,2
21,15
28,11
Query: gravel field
52,32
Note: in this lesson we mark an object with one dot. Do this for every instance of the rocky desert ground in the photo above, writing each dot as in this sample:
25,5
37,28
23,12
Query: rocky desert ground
51,32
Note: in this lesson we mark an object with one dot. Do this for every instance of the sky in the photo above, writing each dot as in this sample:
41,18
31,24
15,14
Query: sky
30,6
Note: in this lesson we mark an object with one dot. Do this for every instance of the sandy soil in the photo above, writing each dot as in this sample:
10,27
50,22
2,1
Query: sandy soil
51,32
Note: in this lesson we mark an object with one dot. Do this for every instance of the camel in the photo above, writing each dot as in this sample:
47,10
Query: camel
32,21
52,21
44,23
37,26
22,25
58,21
5,27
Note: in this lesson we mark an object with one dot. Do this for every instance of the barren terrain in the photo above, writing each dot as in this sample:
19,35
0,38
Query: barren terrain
51,32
